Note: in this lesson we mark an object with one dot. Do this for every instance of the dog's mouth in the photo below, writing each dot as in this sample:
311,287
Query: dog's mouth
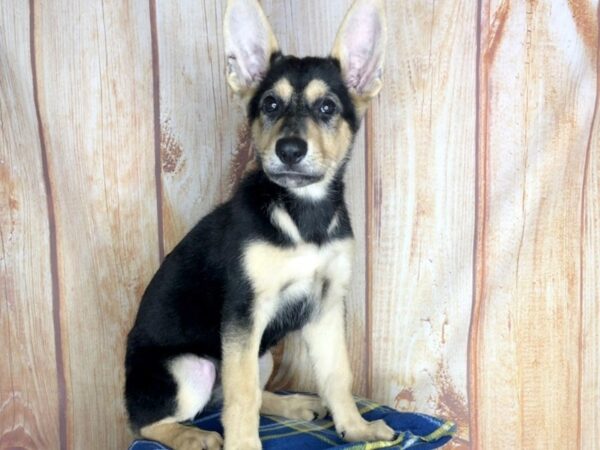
292,179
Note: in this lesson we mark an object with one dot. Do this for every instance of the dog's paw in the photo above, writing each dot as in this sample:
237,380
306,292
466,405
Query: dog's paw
195,439
366,431
304,407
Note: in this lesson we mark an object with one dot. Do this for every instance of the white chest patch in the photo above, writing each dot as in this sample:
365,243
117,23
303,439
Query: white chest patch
282,220
280,273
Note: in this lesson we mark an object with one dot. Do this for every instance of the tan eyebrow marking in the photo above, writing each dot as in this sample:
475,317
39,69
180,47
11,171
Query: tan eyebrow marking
283,89
315,89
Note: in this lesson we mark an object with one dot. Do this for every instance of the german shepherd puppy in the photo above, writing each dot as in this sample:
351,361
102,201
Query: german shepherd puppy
273,259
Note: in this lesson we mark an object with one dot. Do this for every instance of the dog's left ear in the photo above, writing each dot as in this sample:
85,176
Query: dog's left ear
249,44
360,48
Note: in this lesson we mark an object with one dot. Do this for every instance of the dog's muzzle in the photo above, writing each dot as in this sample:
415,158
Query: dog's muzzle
290,168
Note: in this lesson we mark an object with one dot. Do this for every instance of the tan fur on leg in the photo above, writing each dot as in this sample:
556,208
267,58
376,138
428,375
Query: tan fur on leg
334,377
241,392
181,437
296,406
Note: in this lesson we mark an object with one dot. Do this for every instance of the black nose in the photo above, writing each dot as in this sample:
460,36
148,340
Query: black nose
291,150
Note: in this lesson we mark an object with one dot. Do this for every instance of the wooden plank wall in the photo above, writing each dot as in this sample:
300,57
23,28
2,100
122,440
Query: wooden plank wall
538,96
30,399
474,192
422,198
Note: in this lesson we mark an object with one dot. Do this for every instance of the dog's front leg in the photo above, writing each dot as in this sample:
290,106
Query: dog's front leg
325,339
241,390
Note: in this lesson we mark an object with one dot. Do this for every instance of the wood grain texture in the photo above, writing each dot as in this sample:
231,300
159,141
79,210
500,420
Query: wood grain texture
589,396
538,90
95,92
29,394
421,206
317,22
198,116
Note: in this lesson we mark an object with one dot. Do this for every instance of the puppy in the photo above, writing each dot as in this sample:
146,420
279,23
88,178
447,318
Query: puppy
274,258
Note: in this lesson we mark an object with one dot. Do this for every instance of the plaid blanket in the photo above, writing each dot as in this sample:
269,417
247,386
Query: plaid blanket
416,431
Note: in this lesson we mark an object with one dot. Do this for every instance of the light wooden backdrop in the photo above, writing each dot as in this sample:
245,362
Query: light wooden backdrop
474,191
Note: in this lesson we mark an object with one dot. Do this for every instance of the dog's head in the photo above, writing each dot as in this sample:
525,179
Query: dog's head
304,112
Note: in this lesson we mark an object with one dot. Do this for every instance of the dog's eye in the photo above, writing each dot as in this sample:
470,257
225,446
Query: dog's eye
327,107
270,105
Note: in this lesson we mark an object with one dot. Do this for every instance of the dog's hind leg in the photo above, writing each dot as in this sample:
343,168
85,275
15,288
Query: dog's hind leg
182,437
194,378
295,406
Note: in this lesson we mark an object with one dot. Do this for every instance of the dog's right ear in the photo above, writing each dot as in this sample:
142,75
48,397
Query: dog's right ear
249,44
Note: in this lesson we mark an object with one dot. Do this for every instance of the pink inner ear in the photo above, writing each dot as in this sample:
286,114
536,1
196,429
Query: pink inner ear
248,51
361,41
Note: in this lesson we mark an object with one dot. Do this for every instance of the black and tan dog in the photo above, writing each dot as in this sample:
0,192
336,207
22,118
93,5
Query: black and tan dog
273,259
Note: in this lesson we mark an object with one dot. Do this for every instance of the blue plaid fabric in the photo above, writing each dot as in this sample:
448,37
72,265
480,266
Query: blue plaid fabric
416,431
